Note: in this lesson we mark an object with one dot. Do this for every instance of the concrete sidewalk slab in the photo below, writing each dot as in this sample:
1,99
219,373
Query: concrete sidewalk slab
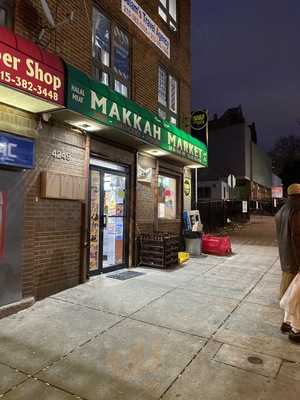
259,250
198,269
278,391
194,342
9,378
257,328
234,272
186,311
132,361
207,259
47,331
238,357
209,380
232,289
242,268
260,261
290,370
266,292
276,270
123,298
35,390
172,278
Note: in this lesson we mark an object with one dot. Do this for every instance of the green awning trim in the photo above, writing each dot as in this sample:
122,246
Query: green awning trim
97,101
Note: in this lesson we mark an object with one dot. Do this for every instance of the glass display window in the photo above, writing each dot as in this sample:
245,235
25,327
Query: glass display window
94,220
167,194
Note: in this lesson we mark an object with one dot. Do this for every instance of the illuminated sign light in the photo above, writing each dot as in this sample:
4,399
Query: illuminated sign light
97,101
29,75
16,151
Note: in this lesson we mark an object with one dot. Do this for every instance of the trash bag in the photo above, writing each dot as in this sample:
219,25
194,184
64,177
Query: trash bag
216,245
192,235
290,302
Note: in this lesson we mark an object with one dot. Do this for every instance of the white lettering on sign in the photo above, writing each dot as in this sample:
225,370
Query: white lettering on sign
125,116
77,94
180,146
98,103
33,70
142,20
7,150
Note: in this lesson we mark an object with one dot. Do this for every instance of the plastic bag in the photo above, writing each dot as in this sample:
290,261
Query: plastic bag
290,302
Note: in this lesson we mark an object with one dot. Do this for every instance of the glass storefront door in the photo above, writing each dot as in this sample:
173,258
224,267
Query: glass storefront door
108,220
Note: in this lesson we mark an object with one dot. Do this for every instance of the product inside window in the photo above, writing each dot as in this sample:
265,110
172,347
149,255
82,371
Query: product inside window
166,197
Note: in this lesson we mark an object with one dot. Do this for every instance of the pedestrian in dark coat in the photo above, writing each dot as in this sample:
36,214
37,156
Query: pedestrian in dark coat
288,234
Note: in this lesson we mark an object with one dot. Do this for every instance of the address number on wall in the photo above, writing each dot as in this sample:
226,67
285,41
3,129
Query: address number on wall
61,155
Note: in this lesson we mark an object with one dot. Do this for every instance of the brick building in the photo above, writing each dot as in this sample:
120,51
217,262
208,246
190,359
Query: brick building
101,107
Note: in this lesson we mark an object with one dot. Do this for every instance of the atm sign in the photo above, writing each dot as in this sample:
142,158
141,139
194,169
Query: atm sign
16,151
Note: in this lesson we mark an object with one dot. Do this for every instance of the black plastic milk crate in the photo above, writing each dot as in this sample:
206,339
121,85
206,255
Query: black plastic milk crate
158,250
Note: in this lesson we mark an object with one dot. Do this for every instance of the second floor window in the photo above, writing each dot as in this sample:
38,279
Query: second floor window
167,9
111,54
167,96
6,12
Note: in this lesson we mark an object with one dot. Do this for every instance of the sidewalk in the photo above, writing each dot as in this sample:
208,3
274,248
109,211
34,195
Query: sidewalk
209,330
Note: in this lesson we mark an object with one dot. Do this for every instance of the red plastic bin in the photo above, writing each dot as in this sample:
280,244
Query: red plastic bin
216,245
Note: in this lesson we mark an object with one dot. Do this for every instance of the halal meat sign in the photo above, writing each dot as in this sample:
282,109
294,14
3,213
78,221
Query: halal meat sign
26,74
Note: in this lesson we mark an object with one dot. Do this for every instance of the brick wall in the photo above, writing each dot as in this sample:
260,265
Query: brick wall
52,228
73,42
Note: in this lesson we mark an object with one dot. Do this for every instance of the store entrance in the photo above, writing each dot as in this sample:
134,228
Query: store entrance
108,217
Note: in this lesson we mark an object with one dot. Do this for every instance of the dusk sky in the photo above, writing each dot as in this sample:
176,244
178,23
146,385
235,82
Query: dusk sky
248,53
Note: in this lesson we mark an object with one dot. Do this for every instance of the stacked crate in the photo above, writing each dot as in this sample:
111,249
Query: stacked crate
158,250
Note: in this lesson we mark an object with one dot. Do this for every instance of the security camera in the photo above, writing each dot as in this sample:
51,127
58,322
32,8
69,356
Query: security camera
46,117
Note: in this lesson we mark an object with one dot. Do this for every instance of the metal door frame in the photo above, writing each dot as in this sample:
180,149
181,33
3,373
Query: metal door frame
102,171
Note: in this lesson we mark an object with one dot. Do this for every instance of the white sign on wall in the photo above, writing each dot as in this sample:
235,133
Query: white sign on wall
142,20
231,181
245,207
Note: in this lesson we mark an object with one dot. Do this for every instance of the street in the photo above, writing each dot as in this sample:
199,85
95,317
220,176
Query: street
208,330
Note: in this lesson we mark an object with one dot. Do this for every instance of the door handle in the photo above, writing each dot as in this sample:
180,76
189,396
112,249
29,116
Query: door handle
103,221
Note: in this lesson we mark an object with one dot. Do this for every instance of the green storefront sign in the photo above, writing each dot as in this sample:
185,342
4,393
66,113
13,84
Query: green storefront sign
97,101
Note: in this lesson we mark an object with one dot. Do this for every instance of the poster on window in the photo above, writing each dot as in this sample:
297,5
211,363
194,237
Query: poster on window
121,53
166,197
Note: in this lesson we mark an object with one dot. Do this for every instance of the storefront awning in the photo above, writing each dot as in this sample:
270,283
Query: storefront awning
93,107
30,78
